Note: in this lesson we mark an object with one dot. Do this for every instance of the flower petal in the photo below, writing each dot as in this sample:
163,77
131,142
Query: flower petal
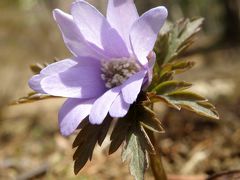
96,29
72,113
53,68
132,87
121,14
73,37
80,81
144,32
59,66
34,83
102,105
119,108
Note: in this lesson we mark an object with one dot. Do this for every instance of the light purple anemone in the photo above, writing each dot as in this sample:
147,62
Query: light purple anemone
112,61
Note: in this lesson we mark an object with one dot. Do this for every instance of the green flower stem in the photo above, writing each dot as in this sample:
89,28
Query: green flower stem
156,161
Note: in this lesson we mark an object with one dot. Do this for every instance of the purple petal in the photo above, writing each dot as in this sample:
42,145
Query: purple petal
102,105
73,37
53,68
132,87
144,32
96,29
80,81
119,108
59,66
34,83
72,113
121,14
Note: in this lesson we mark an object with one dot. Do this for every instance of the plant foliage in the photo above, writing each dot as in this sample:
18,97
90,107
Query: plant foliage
86,140
132,131
174,42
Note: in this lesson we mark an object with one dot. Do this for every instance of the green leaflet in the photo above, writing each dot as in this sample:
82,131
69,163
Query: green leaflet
149,120
177,67
166,76
120,133
137,155
145,141
171,86
167,72
174,42
189,101
86,140
185,96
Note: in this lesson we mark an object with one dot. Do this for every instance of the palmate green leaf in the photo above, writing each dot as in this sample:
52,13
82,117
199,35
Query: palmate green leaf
86,140
175,41
33,97
134,151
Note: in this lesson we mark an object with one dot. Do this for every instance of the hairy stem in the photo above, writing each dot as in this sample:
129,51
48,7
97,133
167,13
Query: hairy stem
156,161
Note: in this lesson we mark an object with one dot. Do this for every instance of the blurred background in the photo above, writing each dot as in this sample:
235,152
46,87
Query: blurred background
31,145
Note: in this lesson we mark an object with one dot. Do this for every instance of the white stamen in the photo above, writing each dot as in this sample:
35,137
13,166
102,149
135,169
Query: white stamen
116,71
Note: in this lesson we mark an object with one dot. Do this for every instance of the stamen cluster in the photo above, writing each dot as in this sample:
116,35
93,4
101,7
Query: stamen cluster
116,71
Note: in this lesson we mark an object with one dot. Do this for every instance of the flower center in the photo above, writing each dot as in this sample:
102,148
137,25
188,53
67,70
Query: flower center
116,71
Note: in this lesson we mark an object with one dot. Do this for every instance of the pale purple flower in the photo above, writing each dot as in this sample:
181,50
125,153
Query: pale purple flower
109,66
